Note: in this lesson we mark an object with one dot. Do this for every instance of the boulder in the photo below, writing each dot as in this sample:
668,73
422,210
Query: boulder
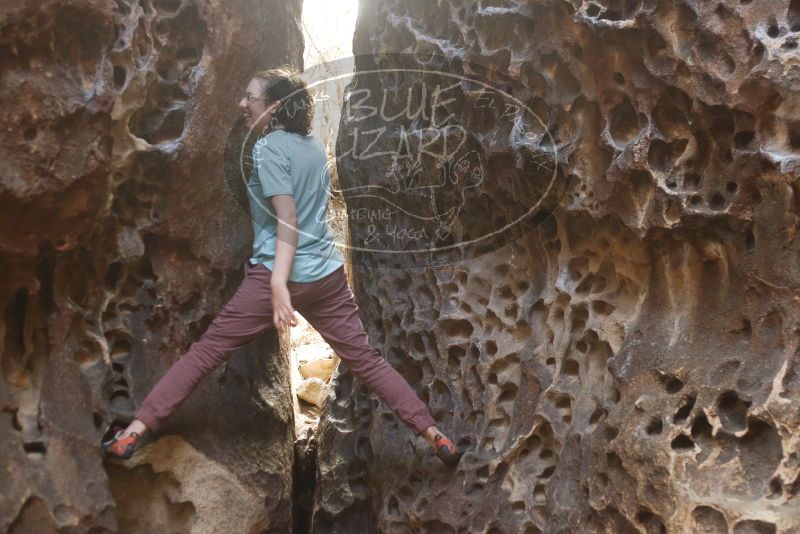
320,369
593,286
122,237
313,391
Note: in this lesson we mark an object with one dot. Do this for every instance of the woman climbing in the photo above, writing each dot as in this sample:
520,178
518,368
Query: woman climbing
295,265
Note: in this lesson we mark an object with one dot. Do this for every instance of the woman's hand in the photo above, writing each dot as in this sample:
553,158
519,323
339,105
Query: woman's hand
282,310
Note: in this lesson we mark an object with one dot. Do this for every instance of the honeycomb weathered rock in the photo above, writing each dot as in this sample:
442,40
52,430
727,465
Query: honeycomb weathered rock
628,361
120,241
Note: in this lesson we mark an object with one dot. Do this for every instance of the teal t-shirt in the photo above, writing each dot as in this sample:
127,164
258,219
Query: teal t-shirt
286,163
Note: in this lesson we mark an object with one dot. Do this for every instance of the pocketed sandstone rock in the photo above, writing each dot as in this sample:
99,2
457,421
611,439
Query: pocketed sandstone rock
662,265
120,240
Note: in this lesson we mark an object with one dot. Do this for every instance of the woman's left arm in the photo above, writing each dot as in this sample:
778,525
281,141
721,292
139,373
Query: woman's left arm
283,312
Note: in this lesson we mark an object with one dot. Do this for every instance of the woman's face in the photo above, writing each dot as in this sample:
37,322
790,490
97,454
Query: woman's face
256,109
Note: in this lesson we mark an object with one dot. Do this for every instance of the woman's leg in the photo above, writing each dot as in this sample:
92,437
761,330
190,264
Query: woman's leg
245,316
332,311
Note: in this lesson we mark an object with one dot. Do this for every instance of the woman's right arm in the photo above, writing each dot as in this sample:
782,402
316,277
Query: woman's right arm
283,312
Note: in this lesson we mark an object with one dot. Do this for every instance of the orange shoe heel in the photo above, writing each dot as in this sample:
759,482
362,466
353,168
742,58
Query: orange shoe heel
446,450
122,448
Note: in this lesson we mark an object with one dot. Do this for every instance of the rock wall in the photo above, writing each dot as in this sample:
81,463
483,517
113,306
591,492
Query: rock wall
626,359
120,241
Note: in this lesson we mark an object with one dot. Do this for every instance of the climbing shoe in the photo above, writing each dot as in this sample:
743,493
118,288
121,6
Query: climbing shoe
119,447
446,450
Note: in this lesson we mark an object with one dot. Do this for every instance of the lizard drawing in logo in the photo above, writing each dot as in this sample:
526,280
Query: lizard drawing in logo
429,175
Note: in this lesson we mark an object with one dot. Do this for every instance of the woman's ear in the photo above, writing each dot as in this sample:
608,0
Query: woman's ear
274,106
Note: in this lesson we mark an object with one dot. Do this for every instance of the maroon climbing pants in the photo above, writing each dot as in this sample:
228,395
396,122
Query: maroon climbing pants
327,304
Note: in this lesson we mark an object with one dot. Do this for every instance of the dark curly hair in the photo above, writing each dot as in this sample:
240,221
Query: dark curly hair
297,105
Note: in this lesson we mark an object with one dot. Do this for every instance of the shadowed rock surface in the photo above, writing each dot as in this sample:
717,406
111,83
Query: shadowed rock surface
626,359
120,242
